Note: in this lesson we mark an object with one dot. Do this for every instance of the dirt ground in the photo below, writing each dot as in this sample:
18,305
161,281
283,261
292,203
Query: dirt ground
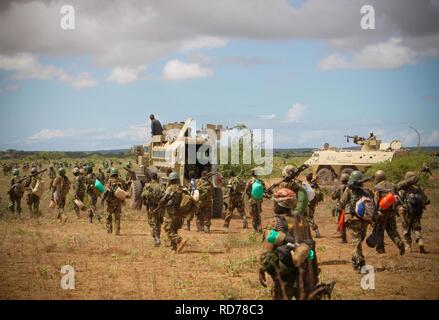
220,265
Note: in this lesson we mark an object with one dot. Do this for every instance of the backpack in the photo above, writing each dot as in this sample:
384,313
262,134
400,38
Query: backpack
238,186
365,209
309,191
415,203
187,202
257,190
153,193
278,260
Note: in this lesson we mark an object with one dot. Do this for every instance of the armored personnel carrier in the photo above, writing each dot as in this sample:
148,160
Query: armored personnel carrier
172,151
330,163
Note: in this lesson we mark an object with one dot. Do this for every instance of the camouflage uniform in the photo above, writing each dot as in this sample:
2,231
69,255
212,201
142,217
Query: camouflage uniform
255,205
357,227
173,218
15,195
114,205
79,188
236,201
301,194
386,221
312,205
52,176
92,193
60,187
204,211
411,213
33,200
152,195
338,210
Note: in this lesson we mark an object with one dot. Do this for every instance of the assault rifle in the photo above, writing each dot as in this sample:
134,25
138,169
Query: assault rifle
24,179
289,178
355,138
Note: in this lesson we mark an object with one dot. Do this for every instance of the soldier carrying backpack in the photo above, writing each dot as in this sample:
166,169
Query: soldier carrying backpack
151,196
236,188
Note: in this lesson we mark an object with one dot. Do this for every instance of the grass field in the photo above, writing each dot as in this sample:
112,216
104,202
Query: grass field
220,265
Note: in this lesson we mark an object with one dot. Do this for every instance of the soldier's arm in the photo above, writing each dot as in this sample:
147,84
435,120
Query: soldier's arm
345,198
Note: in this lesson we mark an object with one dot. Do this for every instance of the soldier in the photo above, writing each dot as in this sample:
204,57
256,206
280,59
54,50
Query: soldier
236,188
356,225
319,197
386,219
203,215
255,204
302,196
101,176
90,180
79,187
338,210
414,202
52,176
114,205
172,220
61,187
15,192
33,199
152,195
130,174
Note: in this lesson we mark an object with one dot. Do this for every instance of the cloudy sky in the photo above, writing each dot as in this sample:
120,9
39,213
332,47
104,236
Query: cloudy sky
304,68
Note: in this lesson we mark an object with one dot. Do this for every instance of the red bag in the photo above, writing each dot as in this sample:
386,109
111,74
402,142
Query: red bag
341,222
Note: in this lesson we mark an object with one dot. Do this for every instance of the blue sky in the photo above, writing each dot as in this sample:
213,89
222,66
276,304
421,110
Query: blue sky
79,98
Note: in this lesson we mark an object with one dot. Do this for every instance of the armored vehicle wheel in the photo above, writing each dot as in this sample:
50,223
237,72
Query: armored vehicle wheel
136,195
218,203
325,176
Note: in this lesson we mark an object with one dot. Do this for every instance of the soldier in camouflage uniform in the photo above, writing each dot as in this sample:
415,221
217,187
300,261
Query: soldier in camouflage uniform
90,180
386,220
61,187
114,205
301,194
101,176
192,187
357,227
152,194
173,217
15,192
319,197
33,200
79,188
203,216
414,202
236,187
338,210
254,204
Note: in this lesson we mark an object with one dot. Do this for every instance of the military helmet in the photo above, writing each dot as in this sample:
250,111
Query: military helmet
356,176
62,171
344,178
153,175
411,177
114,172
380,175
88,168
289,171
173,176
15,172
33,170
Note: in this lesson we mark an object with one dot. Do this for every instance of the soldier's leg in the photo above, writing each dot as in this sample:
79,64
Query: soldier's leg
117,215
229,214
208,217
11,204
199,218
109,219
18,205
241,210
417,233
406,225
357,235
392,231
151,220
380,229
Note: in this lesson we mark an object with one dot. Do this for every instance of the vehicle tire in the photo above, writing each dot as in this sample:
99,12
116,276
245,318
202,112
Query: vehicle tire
218,203
136,195
325,176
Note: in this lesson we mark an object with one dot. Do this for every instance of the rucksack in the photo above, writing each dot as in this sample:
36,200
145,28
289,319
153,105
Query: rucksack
238,186
365,209
153,193
415,203
187,202
309,191
257,190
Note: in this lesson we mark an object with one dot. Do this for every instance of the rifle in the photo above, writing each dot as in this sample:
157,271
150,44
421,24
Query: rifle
293,176
25,178
355,139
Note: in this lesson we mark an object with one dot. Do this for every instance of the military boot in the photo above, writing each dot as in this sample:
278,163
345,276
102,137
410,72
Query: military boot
245,223
401,248
318,234
421,246
207,229
157,241
226,225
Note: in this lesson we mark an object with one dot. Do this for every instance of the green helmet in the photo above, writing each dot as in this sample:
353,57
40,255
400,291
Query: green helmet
62,171
33,170
380,175
356,176
410,176
15,172
173,176
88,169
289,171
344,178
114,172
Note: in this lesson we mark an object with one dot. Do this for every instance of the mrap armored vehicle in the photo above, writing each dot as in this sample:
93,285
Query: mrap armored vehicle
182,149
330,163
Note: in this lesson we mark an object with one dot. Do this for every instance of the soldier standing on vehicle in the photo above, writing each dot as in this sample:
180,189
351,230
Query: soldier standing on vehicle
386,219
255,190
114,205
338,210
15,192
414,203
356,225
152,194
203,216
61,187
33,199
156,126
79,188
173,217
236,188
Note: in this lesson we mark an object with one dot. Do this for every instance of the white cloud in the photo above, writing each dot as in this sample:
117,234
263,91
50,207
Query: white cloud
133,133
267,116
295,113
46,134
124,75
203,42
26,66
387,55
176,70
